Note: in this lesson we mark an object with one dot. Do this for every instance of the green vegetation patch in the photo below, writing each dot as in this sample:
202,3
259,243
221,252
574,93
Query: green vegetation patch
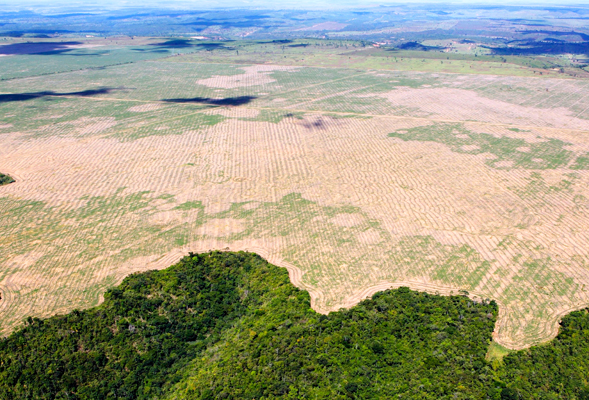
508,152
582,162
5,179
274,116
496,353
154,81
51,116
191,123
537,188
190,205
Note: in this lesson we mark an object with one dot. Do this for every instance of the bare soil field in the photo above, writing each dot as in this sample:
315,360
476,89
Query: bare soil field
354,181
252,76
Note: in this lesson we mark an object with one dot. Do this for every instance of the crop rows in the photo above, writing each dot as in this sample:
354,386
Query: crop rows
305,173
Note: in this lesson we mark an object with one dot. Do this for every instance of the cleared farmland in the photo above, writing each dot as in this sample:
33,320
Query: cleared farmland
356,180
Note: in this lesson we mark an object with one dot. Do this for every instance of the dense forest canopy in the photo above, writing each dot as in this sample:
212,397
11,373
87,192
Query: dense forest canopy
231,326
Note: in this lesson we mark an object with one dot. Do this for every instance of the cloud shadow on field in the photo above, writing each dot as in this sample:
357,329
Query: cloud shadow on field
553,47
11,97
416,46
174,44
313,125
228,101
38,48
34,32
186,43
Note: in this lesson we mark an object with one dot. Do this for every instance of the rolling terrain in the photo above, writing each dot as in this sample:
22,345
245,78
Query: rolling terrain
356,177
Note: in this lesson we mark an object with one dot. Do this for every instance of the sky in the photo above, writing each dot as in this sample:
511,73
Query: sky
273,4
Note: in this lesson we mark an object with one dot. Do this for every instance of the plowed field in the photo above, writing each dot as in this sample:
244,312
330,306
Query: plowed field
354,180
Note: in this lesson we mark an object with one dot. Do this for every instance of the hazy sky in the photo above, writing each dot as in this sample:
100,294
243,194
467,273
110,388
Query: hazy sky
262,3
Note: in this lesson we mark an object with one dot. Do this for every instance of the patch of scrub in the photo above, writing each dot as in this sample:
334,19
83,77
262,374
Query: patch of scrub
5,179
274,116
582,162
457,266
536,187
190,205
495,353
508,152
246,114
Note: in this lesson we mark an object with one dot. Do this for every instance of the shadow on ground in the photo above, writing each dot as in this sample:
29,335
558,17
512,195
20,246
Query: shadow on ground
314,125
11,97
36,33
416,46
186,43
530,48
38,48
228,101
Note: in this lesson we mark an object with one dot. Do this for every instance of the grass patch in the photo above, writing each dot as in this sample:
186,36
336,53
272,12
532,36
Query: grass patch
536,187
189,205
274,116
508,152
581,163
174,126
496,352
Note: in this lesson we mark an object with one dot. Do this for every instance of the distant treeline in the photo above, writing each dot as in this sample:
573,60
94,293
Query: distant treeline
5,179
231,326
